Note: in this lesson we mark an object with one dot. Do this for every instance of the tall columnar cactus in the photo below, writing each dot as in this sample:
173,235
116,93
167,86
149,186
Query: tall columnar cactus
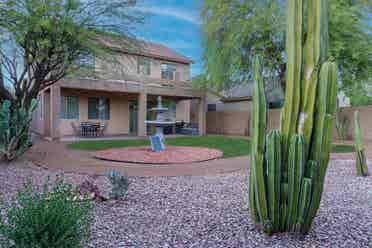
14,129
288,167
361,161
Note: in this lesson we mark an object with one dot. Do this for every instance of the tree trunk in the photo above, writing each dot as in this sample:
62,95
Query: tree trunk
282,79
4,93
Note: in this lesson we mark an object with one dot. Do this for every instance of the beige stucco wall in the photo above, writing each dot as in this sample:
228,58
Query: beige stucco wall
41,119
365,113
194,111
37,124
228,122
237,122
125,64
183,110
232,118
119,113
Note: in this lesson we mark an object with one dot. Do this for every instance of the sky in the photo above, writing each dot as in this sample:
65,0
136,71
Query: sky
175,24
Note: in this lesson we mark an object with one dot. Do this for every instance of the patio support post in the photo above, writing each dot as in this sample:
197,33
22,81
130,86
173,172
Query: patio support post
202,116
55,102
142,113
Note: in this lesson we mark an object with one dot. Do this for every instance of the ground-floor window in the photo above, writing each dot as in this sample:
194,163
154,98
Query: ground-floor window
69,107
212,107
98,108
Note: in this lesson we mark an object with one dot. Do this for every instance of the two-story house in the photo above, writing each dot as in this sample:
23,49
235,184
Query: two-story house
120,93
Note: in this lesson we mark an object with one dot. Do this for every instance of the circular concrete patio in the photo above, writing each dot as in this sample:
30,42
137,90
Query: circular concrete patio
172,155
55,156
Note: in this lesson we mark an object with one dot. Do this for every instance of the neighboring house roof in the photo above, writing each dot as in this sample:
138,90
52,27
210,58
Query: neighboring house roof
236,99
147,49
242,92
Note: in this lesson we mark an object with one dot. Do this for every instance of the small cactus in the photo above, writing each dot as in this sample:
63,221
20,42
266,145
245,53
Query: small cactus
120,185
288,167
361,160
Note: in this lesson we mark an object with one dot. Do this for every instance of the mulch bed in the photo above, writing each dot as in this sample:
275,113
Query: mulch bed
172,155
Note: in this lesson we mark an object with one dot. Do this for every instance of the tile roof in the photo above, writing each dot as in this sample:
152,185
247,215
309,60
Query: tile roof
163,52
148,49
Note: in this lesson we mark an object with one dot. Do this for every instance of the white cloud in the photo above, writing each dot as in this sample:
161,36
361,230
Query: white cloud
173,12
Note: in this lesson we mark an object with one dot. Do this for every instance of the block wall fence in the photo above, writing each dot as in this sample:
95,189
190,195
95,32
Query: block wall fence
238,122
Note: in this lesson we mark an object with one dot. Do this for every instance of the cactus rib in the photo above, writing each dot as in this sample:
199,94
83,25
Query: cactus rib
274,159
289,116
258,144
295,175
361,161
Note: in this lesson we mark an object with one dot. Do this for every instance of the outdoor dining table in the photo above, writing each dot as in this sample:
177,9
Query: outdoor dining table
90,128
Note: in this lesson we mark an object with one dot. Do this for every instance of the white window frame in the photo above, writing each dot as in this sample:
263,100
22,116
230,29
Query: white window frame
168,71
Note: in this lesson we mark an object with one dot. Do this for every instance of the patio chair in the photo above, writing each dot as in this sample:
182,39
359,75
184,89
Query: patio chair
102,129
95,129
190,129
77,130
85,128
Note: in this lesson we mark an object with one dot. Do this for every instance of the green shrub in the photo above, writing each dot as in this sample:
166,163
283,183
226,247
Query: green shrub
42,218
120,185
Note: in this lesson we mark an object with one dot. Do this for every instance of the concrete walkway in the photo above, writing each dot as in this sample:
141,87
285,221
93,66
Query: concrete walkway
56,156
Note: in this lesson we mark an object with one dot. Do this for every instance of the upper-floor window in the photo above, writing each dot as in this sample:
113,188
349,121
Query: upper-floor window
98,108
69,107
86,60
168,71
143,66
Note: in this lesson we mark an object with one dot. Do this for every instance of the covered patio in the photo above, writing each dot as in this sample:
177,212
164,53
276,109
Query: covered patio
116,109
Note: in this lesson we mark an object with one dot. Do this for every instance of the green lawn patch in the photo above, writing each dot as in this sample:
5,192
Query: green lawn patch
231,147
96,145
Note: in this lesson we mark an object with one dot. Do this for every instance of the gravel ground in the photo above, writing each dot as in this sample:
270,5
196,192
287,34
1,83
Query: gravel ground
211,211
